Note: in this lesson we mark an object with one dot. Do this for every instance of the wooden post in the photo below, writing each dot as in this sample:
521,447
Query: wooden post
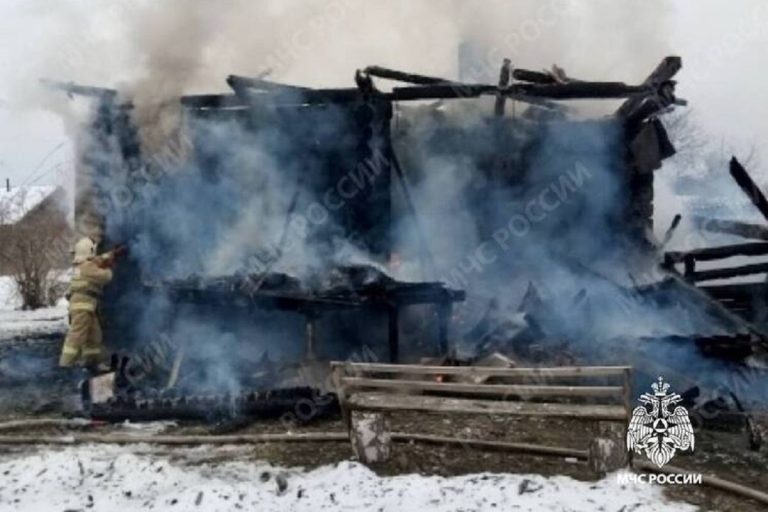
607,450
371,440
444,311
393,321
690,266
504,76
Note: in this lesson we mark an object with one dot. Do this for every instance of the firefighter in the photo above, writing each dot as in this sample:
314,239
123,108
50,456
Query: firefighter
83,344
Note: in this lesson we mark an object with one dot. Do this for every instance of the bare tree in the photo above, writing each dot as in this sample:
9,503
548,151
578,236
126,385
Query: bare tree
34,247
688,138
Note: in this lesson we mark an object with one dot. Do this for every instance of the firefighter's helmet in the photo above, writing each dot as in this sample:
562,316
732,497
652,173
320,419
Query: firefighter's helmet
85,249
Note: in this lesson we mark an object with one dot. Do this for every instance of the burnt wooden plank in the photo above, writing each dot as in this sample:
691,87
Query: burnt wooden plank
240,83
718,253
401,76
479,371
664,72
500,390
392,402
726,273
522,91
537,77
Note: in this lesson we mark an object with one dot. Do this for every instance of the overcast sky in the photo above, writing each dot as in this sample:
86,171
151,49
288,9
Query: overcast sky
722,43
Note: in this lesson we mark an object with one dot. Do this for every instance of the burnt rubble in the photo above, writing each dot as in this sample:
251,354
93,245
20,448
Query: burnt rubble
745,299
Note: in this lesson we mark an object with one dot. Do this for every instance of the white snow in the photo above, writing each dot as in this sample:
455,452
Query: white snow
102,478
8,296
14,322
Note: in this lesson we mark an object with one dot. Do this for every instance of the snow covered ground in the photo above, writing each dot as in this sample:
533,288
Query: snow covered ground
14,322
120,478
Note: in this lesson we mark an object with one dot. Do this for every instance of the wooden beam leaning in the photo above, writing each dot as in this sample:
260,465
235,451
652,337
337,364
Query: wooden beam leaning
664,72
256,89
401,76
748,186
241,83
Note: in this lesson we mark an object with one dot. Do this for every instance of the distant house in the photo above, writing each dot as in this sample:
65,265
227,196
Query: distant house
30,210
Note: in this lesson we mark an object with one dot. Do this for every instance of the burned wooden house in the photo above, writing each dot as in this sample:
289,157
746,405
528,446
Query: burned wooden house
318,275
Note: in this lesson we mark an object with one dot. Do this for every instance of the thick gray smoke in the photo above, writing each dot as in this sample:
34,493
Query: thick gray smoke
543,233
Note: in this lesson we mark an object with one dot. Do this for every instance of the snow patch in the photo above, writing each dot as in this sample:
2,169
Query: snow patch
14,322
117,478
9,299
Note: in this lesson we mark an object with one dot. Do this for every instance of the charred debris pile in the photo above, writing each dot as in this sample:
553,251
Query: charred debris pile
283,226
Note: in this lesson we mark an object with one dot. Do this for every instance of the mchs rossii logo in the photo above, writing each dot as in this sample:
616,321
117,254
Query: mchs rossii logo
657,430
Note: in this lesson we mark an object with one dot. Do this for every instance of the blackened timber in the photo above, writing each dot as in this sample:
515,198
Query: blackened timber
343,95
442,91
664,72
504,77
401,76
569,91
717,253
213,101
537,77
726,273
580,90
732,227
646,106
255,89
530,93
748,186
671,231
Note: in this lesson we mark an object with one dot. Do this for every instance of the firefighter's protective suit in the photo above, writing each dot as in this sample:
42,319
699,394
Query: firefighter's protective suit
83,344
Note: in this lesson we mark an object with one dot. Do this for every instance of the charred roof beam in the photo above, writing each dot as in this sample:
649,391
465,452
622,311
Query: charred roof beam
660,93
